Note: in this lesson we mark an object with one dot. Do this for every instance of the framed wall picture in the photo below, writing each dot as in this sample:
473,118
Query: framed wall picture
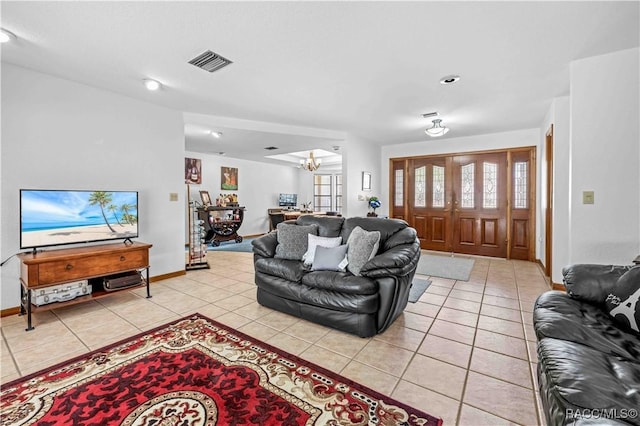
206,199
229,178
366,181
192,170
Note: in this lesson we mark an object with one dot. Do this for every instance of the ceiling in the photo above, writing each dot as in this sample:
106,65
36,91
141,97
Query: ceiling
311,75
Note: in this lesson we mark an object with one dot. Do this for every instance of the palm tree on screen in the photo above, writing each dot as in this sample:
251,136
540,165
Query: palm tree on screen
130,218
102,199
112,208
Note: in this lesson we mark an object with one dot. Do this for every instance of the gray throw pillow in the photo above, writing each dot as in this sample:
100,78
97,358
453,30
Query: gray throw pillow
363,245
330,258
314,241
292,240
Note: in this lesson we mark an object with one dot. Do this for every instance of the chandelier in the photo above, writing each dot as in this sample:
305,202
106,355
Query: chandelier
437,129
310,164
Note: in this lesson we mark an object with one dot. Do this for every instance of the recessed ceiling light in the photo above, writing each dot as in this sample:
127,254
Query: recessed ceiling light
152,84
6,36
449,79
216,135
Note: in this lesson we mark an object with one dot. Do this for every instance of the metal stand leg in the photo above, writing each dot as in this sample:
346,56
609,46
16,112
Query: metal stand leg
25,306
148,290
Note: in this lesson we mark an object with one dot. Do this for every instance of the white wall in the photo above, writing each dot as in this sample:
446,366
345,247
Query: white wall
359,156
258,187
605,158
58,134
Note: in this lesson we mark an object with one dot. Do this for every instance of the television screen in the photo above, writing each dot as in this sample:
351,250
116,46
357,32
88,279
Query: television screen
288,200
56,217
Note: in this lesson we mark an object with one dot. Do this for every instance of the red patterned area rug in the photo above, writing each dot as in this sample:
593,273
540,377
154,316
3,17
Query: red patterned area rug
195,371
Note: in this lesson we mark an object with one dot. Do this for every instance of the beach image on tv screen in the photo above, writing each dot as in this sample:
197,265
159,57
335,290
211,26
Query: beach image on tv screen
64,217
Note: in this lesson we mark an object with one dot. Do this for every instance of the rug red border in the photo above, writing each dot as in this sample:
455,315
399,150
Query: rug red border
244,336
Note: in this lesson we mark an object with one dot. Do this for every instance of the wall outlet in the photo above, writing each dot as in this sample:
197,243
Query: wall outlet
173,196
588,197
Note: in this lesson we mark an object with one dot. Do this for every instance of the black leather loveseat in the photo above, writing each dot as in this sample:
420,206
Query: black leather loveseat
363,304
588,353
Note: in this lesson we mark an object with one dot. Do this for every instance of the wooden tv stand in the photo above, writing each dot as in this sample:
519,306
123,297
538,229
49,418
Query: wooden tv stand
49,268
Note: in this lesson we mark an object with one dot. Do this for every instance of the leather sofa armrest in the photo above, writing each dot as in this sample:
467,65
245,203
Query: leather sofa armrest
401,260
590,282
265,246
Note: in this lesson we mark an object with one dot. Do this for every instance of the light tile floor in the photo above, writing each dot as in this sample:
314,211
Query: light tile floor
465,352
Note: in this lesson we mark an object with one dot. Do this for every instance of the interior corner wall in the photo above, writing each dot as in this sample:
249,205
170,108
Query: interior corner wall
258,187
359,156
58,134
605,114
558,115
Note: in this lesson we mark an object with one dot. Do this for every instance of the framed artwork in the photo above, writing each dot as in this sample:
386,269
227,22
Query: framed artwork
206,199
193,170
229,178
366,181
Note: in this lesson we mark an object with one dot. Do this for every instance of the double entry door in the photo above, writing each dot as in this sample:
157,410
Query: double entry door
473,203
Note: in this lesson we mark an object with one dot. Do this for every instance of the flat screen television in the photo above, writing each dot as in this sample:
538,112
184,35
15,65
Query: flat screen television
59,217
287,200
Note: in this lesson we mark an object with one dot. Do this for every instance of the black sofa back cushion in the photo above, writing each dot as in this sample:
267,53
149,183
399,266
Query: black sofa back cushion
387,227
592,283
328,226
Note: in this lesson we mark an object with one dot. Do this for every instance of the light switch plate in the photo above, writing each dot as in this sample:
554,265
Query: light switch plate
173,196
587,197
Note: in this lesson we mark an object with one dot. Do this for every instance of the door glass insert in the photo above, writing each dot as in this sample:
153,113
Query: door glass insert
490,186
420,187
468,174
438,186
399,199
520,184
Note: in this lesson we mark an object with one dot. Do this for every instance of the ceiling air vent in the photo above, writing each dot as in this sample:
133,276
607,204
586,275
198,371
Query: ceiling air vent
270,148
210,61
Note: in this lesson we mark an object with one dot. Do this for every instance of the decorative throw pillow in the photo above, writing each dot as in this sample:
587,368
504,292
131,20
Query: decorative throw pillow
330,258
363,245
316,241
292,240
623,301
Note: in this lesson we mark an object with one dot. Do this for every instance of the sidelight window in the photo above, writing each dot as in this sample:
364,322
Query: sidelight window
520,184
399,189
421,187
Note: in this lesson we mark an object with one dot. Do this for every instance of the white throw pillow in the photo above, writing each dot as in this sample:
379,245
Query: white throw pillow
314,241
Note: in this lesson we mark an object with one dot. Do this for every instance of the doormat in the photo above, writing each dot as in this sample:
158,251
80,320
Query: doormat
445,266
418,287
197,371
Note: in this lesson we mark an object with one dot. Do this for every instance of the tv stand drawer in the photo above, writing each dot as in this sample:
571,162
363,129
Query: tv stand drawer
91,266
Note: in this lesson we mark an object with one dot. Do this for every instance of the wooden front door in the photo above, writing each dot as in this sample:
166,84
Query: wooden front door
471,203
479,193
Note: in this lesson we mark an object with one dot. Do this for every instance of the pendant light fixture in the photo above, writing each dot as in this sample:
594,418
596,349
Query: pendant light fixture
437,129
310,164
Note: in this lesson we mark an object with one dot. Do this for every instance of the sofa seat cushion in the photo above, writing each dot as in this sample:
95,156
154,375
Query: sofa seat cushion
580,377
559,316
341,282
291,270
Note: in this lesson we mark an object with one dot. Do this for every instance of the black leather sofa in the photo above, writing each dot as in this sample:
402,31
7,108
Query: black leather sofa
588,363
363,305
